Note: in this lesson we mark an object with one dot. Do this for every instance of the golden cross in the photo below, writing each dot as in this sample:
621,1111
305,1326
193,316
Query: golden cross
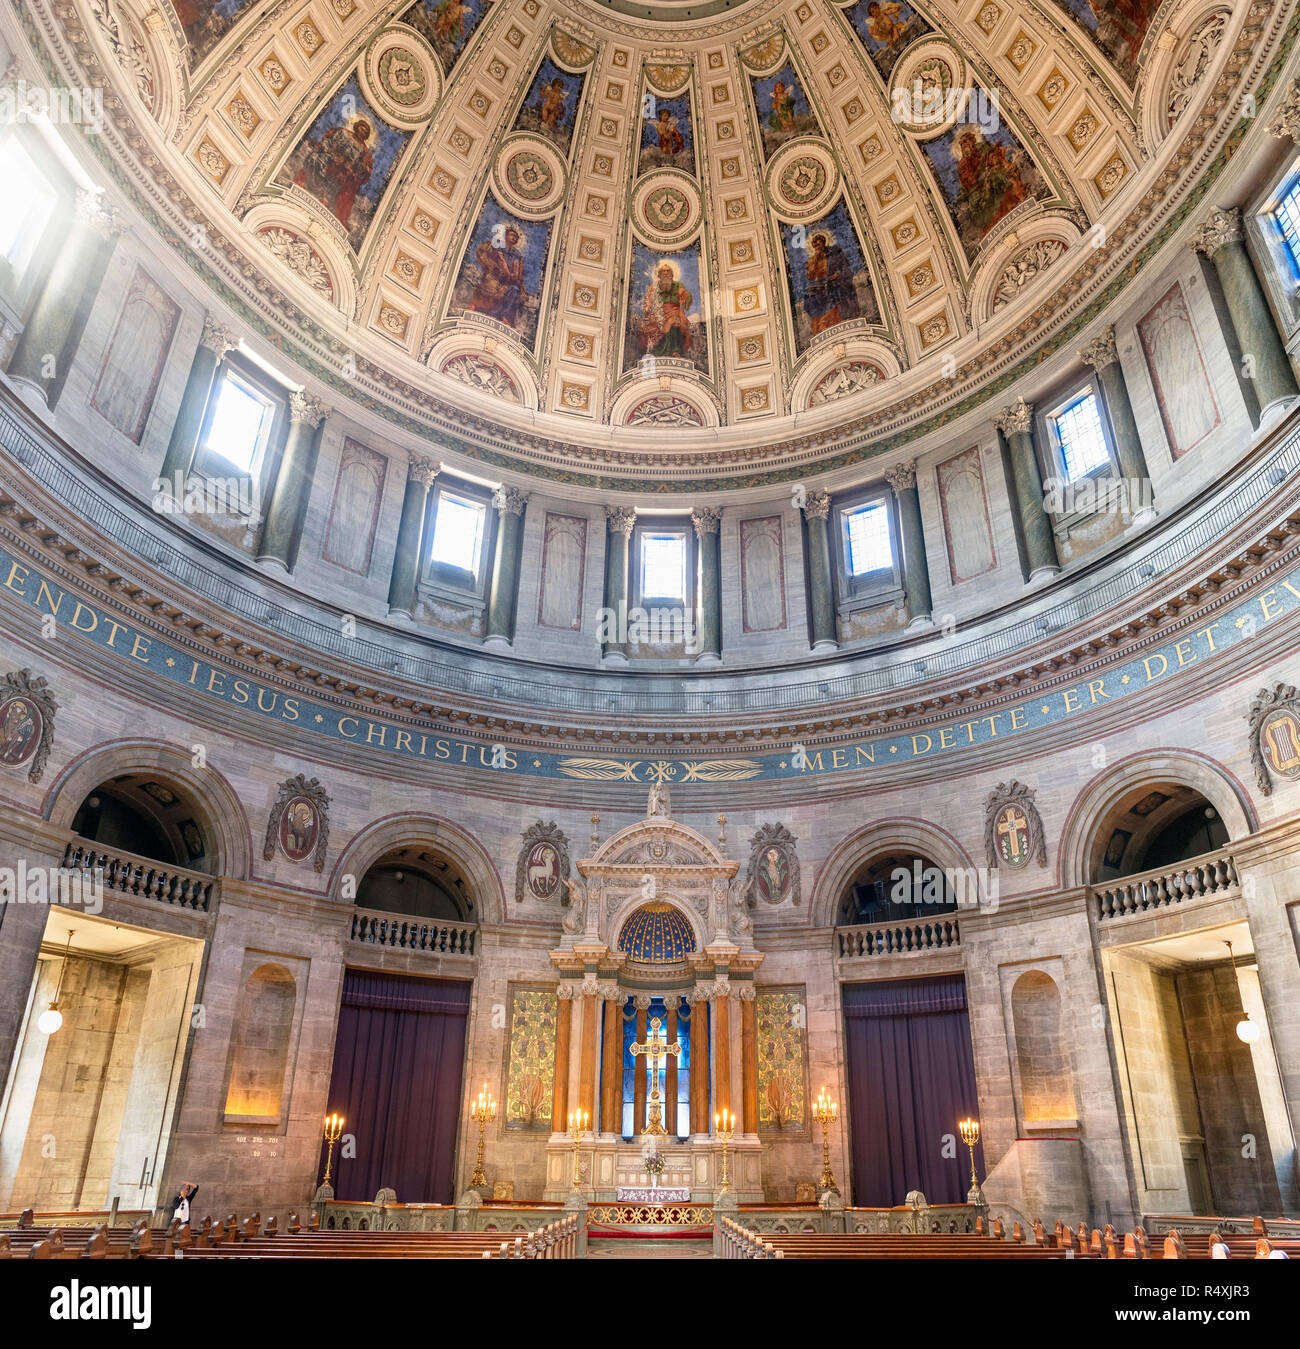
1011,827
656,1049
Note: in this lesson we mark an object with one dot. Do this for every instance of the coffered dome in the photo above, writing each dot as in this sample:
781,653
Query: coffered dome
786,230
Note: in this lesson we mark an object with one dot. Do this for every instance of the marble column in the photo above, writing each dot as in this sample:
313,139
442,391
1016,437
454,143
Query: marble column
748,1062
1103,355
916,567
1264,358
504,594
699,1063
640,1088
45,351
670,1076
708,624
560,1090
621,521
587,1075
611,1069
816,512
721,1049
420,474
285,515
215,342
1017,424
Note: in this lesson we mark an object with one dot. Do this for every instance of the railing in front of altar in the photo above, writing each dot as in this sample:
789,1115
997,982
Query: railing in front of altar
372,927
1210,875
891,939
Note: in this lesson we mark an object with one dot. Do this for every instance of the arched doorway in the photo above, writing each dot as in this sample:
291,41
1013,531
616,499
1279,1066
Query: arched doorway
145,814
420,882
1153,826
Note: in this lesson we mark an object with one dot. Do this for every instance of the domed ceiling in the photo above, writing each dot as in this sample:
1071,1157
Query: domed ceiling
693,244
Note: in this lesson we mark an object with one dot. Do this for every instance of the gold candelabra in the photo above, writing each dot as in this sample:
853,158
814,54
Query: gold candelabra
824,1111
724,1125
482,1110
970,1135
333,1132
578,1121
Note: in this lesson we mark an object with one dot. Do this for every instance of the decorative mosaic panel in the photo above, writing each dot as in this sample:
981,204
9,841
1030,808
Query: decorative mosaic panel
530,1076
781,1020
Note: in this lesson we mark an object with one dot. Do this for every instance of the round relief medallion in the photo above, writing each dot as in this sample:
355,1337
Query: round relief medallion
929,92
802,180
529,175
21,724
401,76
299,829
666,207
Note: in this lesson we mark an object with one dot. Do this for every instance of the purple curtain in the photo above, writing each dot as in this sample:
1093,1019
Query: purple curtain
911,1078
398,1062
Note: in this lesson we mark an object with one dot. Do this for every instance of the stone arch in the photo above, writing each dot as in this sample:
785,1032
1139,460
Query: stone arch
855,850
395,831
215,801
1149,768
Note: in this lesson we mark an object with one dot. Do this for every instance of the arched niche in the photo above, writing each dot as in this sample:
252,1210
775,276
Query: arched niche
193,811
1046,1080
1132,810
257,1074
914,838
435,836
416,881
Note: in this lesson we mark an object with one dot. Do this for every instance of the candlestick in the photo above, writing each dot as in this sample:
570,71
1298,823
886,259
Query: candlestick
578,1121
724,1125
970,1135
482,1110
333,1132
824,1111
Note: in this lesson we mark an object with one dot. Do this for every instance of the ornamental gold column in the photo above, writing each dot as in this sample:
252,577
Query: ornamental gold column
708,625
560,1089
420,474
288,509
49,340
699,1060
184,443
621,521
748,1062
916,567
611,1072
503,598
1017,424
670,1077
1103,355
639,1085
821,597
1263,358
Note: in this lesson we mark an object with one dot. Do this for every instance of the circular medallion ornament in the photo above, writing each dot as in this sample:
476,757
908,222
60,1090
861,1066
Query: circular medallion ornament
666,207
529,175
299,828
929,92
543,869
802,180
1011,831
1279,742
21,724
401,76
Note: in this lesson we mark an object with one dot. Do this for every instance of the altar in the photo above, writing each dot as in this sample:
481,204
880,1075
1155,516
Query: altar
657,1040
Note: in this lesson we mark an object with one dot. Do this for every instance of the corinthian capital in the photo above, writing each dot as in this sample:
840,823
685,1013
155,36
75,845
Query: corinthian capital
622,520
1101,350
218,338
1288,119
706,520
306,407
1222,227
901,476
1018,417
817,505
509,500
422,470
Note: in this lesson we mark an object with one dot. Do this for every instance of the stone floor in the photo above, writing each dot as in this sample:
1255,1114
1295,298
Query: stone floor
626,1248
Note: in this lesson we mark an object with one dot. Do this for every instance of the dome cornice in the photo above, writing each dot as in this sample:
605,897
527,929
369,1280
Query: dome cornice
1052,311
